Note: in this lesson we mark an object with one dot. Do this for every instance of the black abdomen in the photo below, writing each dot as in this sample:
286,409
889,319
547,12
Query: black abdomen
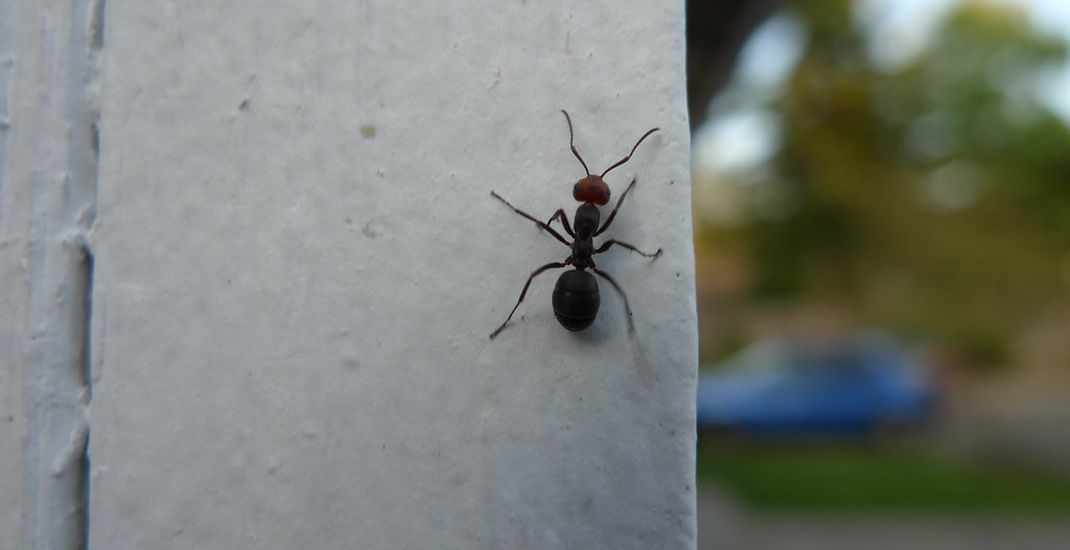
576,299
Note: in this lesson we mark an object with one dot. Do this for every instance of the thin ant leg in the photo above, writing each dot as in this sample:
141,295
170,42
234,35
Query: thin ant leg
532,218
564,221
613,214
627,308
625,159
573,146
612,242
525,292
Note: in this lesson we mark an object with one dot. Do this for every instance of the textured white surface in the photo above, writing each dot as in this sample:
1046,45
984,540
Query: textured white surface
298,265
47,188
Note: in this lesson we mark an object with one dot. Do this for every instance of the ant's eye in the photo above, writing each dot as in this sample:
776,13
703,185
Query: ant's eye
577,192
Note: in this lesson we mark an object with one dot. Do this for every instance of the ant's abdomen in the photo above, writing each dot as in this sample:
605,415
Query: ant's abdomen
576,299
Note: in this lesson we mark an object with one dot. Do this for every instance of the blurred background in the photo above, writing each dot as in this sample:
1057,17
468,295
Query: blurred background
882,219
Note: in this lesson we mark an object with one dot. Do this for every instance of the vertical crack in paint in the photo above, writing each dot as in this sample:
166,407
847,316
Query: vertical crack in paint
84,467
95,39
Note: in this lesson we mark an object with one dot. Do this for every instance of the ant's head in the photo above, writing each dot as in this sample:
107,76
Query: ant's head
591,189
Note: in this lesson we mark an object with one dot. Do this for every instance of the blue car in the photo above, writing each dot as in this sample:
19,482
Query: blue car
790,387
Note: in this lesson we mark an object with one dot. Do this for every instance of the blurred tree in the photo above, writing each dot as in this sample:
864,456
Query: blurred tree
933,197
716,29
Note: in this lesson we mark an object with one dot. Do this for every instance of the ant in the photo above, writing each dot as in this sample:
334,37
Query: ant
576,297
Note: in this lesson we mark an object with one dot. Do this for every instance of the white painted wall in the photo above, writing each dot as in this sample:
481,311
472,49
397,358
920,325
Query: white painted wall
298,263
47,195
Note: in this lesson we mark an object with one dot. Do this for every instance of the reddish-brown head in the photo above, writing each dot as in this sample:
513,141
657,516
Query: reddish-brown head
591,189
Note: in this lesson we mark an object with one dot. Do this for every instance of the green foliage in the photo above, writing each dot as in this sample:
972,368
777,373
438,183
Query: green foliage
872,479
934,198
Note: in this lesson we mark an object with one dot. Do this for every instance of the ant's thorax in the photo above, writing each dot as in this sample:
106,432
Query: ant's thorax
586,220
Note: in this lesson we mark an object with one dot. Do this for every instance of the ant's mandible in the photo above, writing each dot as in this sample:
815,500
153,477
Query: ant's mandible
576,293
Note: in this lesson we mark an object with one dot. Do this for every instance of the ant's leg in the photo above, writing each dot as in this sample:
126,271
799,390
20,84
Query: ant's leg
532,218
564,221
525,292
612,242
613,214
627,308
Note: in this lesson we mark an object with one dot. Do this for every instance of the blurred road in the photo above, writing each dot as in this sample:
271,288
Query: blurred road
1020,416
724,525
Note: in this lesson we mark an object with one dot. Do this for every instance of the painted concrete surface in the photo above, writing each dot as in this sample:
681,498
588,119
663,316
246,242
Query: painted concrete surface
47,194
299,263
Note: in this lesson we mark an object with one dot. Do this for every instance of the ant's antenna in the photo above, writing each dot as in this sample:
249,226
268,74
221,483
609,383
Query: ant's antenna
625,159
572,146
